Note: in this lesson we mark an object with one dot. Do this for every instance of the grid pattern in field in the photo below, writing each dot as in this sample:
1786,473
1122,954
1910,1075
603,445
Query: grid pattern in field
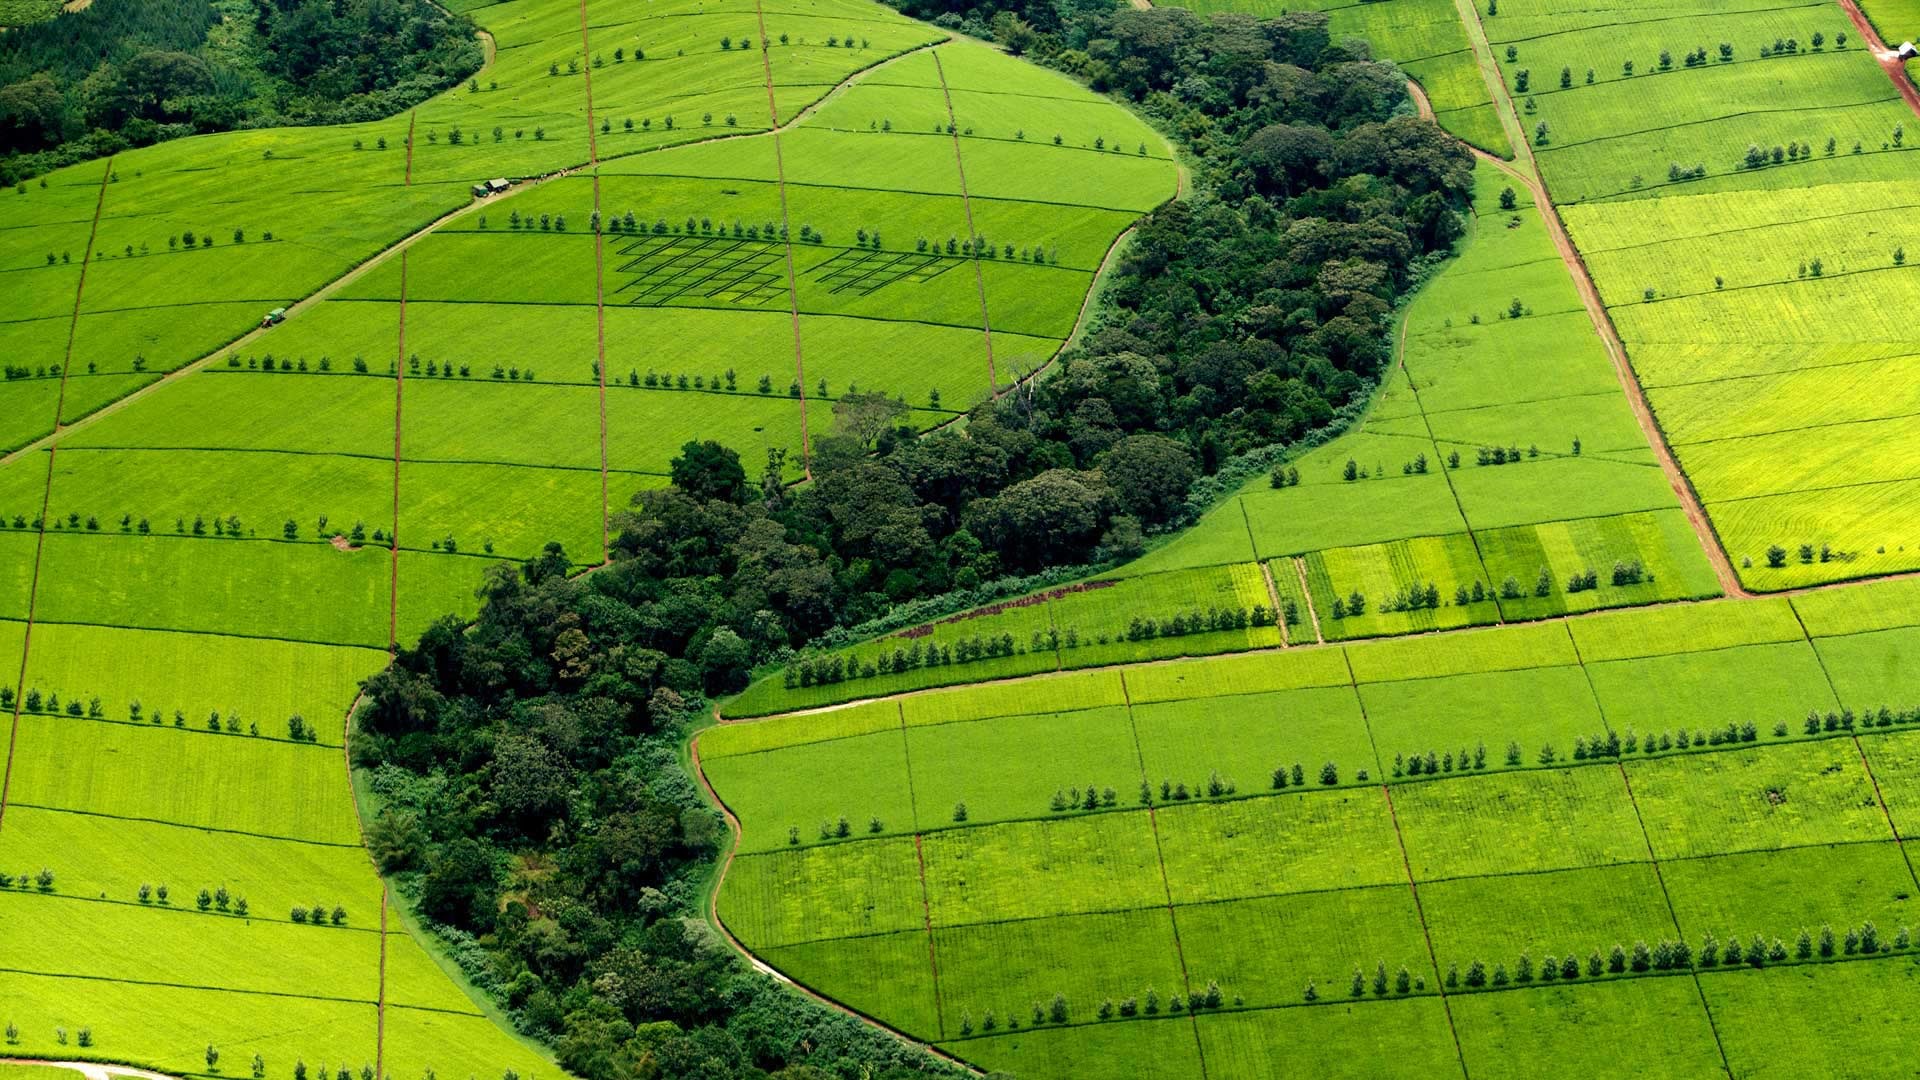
664,269
867,272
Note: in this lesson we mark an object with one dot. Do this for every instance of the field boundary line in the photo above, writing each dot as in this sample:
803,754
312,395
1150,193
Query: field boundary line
380,1006
1446,472
599,284
1300,568
786,239
1549,211
46,492
933,955
354,845
1626,782
1426,934
393,537
408,181
1899,842
1166,884
973,234
1653,858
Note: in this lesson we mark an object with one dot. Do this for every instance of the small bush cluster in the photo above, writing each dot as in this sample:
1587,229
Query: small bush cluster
319,915
42,881
1433,762
48,704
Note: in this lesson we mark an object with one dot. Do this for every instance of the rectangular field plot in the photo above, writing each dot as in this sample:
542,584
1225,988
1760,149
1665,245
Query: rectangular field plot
1011,767
1679,628
1660,543
1473,652
1159,1049
1267,950
143,1022
1407,586
1245,737
146,943
262,682
1101,862
117,770
1503,822
1307,842
1877,605
1225,676
1644,1027
1561,913
1896,765
1852,1020
121,855
1374,1039
507,510
1008,967
787,897
1534,708
1757,799
1535,491
1777,893
1761,684
1312,517
1872,669
885,976
652,271
418,1042
811,788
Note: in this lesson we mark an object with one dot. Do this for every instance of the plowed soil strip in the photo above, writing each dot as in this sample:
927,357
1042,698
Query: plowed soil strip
966,203
793,294
46,491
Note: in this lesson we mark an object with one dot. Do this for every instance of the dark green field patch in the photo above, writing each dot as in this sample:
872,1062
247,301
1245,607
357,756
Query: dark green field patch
1007,968
1267,950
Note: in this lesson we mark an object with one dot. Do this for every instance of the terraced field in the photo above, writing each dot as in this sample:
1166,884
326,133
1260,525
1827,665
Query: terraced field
1628,834
201,518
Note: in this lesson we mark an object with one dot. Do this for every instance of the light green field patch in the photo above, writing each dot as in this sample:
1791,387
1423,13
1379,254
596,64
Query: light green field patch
1675,628
1054,693
1101,862
1245,737
120,770
1765,1019
1501,1034
1500,822
1407,586
1777,893
1895,760
1759,684
1227,675
1871,670
1878,605
1397,1039
1161,1049
1268,949
1310,841
1561,913
1313,517
1033,758
817,893
1459,714
1503,648
1757,799
885,976
796,793
1007,967
863,719
1661,543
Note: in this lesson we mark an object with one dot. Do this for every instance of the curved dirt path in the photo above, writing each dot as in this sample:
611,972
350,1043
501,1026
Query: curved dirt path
92,1070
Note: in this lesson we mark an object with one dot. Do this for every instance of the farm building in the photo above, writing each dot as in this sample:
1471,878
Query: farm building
1907,50
491,187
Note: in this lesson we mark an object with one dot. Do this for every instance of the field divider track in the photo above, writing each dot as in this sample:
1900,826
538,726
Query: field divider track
599,283
409,175
1473,535
786,239
1406,863
966,204
1899,841
1653,858
1300,568
1166,885
920,858
46,491
1534,180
